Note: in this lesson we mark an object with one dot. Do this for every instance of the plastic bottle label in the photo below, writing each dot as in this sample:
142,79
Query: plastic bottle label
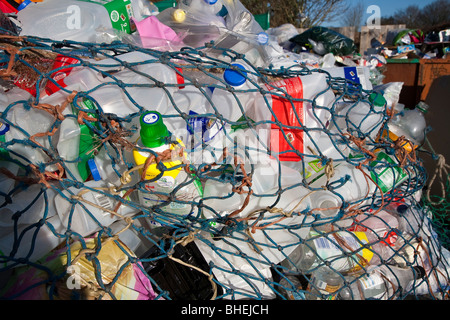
120,13
330,249
290,113
158,191
372,282
58,76
387,177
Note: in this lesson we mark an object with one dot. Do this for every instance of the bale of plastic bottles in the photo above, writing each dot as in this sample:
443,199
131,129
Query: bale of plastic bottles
205,167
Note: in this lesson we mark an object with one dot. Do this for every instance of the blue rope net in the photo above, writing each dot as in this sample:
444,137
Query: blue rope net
238,240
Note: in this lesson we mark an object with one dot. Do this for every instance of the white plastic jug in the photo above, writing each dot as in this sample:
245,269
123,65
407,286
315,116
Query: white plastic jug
75,19
303,123
26,122
362,118
87,215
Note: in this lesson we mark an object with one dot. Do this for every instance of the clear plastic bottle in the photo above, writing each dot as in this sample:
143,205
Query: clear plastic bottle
139,77
411,124
75,20
382,283
291,288
155,136
366,248
101,166
325,283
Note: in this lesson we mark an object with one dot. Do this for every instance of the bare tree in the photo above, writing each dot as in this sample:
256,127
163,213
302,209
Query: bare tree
353,17
433,14
300,13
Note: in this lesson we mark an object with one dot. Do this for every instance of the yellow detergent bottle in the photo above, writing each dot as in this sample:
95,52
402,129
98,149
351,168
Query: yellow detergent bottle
155,136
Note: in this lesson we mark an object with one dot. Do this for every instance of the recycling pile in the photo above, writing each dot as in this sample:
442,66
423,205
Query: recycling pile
204,162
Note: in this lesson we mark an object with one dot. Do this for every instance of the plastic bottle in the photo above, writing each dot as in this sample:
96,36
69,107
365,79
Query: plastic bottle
324,284
86,216
25,122
155,136
106,166
359,75
33,245
297,113
219,196
411,124
361,118
194,7
104,88
77,143
22,215
332,247
354,185
196,26
143,9
382,223
226,103
290,287
75,20
382,283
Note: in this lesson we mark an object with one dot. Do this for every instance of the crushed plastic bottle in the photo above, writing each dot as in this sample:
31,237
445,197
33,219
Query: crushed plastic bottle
411,124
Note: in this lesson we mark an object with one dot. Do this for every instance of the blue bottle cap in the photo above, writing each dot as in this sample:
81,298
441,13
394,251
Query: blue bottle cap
235,78
23,5
4,128
262,38
94,170
211,1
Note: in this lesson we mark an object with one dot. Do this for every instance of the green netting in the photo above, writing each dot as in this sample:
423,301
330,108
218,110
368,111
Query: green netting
238,242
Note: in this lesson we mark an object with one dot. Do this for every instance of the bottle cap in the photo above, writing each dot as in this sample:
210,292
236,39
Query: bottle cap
4,128
262,38
211,1
377,99
23,5
401,209
94,170
422,107
420,272
153,130
179,15
234,77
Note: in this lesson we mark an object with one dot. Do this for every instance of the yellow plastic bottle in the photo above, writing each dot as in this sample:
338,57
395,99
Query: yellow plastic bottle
155,136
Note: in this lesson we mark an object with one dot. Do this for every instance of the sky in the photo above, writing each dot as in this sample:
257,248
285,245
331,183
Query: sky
387,7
